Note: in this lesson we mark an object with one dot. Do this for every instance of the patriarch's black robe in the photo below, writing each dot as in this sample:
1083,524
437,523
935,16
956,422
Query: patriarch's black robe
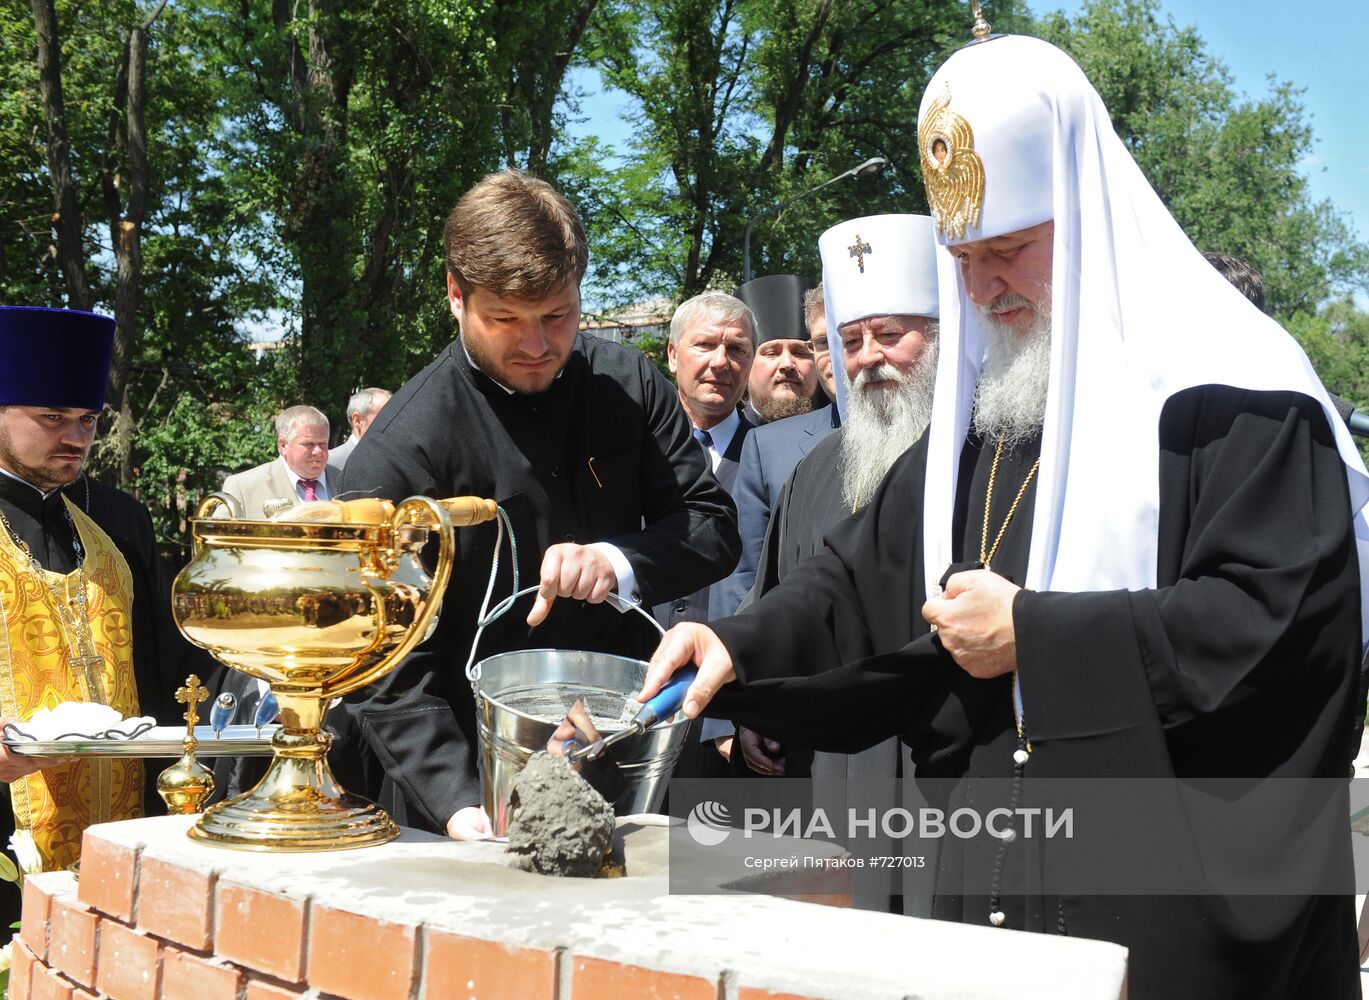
1241,663
810,505
604,455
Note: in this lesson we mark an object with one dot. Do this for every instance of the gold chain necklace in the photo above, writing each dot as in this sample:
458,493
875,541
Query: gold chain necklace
80,640
986,553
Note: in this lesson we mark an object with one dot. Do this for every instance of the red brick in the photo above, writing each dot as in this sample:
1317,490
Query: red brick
48,985
175,903
360,958
190,977
107,876
486,969
597,977
71,940
257,990
37,908
752,993
841,901
22,964
128,967
260,930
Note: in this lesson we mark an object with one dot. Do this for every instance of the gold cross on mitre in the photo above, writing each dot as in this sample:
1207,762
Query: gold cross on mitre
191,695
858,250
982,28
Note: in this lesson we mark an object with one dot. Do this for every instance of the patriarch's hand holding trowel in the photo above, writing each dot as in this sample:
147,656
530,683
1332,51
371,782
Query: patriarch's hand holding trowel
686,643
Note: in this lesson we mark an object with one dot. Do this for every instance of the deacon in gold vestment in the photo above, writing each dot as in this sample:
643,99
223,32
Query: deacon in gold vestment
67,608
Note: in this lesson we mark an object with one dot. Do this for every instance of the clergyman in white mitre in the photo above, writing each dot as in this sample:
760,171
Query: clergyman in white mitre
1150,548
1193,501
879,277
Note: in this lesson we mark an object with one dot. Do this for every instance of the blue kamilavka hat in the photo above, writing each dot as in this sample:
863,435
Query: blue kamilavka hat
54,357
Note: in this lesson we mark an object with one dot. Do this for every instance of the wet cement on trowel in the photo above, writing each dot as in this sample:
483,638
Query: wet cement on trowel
560,824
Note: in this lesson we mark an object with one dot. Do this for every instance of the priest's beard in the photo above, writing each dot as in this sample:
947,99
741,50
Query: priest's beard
881,424
1010,398
59,467
778,407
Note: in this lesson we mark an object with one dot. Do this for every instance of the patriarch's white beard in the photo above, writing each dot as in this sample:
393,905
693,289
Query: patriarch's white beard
1010,398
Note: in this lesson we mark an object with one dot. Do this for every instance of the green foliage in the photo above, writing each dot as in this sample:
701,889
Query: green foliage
654,347
738,105
1336,340
302,158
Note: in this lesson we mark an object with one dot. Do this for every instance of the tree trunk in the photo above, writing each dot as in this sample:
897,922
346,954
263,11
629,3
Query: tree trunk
66,219
126,238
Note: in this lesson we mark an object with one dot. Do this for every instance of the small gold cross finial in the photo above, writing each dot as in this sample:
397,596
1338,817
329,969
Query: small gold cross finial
191,695
982,28
858,250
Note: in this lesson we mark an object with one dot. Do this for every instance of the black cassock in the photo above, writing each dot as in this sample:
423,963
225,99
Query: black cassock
1241,663
810,505
604,455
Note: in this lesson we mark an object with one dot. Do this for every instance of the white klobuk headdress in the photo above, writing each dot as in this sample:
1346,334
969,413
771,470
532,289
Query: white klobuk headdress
878,265
1012,134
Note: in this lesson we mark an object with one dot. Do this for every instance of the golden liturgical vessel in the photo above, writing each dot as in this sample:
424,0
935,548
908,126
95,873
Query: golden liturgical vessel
187,783
316,608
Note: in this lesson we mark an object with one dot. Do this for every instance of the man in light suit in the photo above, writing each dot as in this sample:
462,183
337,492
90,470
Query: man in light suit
361,410
301,472
769,456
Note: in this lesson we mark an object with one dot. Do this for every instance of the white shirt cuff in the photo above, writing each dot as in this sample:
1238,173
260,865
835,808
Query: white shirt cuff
627,580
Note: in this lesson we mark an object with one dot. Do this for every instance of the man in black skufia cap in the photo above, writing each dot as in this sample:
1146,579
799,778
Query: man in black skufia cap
784,377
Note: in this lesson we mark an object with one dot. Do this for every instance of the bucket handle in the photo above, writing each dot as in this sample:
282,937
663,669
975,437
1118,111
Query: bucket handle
614,599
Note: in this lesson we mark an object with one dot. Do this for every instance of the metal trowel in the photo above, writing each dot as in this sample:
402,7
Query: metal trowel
591,751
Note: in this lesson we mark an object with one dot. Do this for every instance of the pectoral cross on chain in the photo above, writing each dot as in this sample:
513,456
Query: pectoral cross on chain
191,695
92,667
858,250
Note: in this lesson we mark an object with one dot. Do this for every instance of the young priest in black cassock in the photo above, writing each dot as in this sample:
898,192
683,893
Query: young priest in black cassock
581,441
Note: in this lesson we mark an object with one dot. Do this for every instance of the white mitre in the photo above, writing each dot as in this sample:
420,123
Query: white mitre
877,265
1011,135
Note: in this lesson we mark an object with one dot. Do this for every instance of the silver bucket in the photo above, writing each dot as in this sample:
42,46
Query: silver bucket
522,696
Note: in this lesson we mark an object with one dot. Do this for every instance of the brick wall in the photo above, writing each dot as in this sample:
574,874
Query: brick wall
261,946
155,916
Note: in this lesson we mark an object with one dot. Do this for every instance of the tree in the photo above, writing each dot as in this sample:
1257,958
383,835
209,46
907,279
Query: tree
123,175
741,104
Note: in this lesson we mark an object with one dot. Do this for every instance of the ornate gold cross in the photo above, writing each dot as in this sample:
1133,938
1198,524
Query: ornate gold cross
982,28
191,695
858,250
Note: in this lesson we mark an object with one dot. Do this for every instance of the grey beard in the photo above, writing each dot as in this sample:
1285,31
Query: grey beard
881,424
1010,397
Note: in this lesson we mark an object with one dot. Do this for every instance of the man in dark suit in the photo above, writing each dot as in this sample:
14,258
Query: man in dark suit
712,345
769,456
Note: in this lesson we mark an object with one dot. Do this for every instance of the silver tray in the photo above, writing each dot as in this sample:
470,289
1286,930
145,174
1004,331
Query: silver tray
160,741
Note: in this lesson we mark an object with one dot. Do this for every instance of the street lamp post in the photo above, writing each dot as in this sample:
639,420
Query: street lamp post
871,166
